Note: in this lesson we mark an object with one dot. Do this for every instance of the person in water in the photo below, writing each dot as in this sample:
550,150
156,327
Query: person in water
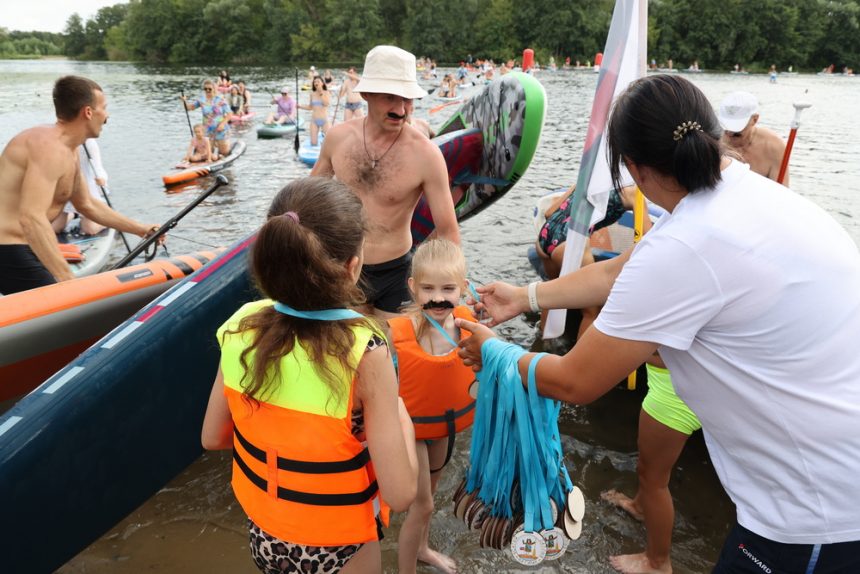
96,177
306,394
758,146
353,104
39,173
216,116
737,302
200,148
320,99
390,165
285,110
434,385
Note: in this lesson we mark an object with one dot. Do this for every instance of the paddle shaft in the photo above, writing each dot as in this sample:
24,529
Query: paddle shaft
795,123
104,194
296,140
187,117
169,224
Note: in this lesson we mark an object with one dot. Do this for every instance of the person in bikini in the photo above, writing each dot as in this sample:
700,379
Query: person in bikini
353,106
39,173
389,165
320,100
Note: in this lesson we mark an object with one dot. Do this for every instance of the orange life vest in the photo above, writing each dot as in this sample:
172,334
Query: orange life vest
434,389
298,471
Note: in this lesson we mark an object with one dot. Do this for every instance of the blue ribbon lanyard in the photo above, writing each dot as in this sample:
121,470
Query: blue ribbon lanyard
476,297
532,444
440,329
318,315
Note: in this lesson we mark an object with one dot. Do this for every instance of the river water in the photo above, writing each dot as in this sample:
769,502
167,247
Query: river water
194,523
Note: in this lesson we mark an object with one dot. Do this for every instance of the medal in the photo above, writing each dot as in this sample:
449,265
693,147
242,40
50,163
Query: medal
528,548
556,543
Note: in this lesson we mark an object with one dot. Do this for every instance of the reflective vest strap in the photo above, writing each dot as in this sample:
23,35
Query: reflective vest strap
305,467
444,417
344,499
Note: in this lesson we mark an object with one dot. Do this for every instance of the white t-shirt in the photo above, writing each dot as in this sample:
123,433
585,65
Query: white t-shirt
753,293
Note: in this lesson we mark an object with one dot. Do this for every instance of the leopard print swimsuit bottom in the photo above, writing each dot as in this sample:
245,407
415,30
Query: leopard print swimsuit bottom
274,556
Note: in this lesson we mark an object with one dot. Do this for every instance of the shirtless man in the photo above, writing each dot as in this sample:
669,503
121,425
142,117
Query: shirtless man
389,165
39,173
761,148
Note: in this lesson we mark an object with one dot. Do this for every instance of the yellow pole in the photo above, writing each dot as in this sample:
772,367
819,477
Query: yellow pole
638,225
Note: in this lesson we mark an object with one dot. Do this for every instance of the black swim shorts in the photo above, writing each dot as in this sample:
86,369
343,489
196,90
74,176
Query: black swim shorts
384,284
21,270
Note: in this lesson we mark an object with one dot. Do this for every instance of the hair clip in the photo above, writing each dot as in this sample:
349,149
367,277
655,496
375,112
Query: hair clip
292,215
685,128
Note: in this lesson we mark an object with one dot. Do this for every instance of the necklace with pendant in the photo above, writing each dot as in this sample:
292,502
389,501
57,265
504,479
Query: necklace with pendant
375,161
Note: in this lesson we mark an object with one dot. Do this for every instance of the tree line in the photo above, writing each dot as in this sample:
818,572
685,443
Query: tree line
755,34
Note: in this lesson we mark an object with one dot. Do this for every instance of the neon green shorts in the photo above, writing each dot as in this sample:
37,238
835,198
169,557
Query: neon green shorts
665,406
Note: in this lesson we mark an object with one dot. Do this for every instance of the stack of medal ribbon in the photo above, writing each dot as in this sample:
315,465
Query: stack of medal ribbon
517,481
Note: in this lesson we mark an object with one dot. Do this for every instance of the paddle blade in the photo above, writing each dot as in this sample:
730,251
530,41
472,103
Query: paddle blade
296,142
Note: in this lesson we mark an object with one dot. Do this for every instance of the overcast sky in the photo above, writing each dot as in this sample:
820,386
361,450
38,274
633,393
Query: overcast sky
47,15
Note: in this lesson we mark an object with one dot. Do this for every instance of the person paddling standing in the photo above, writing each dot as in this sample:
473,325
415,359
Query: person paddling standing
216,116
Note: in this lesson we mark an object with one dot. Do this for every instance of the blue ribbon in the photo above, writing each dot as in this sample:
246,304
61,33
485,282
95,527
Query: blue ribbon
440,329
516,436
319,315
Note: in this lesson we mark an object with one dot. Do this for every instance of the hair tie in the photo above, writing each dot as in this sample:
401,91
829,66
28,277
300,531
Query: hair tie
684,129
292,215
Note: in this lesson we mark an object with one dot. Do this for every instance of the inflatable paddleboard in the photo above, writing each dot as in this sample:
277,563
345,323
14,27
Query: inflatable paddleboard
242,118
204,169
509,114
96,249
309,154
45,328
279,130
110,429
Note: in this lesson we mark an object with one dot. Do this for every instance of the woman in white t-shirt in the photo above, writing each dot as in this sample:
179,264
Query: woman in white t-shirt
754,309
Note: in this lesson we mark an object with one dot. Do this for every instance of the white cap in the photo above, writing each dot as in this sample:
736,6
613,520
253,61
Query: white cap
285,90
736,109
390,70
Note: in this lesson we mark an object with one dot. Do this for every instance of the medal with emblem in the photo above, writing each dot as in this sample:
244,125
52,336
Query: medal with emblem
556,543
528,548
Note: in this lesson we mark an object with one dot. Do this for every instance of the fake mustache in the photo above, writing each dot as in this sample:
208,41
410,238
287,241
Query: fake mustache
438,305
394,116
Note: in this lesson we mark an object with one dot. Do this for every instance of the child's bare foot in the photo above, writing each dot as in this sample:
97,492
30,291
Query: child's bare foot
441,561
623,502
638,564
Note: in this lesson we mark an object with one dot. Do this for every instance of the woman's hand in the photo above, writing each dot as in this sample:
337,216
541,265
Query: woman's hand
501,300
470,347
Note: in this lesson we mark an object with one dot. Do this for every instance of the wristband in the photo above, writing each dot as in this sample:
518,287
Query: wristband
533,302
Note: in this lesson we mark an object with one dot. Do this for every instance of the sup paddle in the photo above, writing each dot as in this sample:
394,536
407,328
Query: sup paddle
296,140
795,123
187,117
445,105
104,193
146,242
336,106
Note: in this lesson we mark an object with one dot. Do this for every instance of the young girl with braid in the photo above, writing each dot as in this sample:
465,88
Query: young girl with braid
306,394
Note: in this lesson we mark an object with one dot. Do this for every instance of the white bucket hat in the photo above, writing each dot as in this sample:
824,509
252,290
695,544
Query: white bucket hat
736,109
390,70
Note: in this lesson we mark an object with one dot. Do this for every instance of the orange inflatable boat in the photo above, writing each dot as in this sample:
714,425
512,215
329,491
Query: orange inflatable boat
41,330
